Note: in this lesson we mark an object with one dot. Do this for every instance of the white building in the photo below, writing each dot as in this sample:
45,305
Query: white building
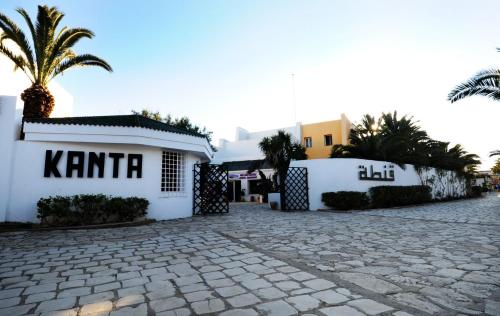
124,155
240,154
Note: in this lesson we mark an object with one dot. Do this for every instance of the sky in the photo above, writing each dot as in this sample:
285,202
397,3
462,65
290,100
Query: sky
229,63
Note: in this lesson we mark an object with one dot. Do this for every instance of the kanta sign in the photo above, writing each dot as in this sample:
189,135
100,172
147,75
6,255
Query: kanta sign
96,162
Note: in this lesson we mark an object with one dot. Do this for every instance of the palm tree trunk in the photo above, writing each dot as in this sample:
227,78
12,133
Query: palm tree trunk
38,102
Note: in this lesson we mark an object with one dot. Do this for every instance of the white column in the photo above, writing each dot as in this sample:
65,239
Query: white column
8,130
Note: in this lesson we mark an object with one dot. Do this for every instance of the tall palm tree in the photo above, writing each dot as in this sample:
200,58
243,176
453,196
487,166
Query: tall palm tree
50,54
485,83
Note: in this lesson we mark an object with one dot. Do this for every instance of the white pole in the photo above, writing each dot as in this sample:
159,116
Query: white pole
294,100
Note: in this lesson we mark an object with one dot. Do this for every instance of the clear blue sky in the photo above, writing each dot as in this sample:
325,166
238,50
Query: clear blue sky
228,63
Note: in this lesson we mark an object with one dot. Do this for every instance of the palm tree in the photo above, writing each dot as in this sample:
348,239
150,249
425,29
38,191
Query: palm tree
485,83
50,54
279,150
495,153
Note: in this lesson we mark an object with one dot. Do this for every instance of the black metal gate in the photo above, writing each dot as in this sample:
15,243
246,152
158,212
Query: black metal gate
296,194
210,189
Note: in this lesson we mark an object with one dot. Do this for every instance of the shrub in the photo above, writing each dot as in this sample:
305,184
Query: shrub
345,200
87,209
389,196
475,191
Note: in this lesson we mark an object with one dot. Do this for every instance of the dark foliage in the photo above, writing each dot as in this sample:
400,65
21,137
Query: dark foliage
89,209
476,191
346,200
402,141
390,196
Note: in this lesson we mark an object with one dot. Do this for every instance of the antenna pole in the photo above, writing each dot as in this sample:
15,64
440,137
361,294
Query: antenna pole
294,100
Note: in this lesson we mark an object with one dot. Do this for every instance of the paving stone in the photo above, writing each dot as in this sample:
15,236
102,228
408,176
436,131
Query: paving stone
370,282
131,311
256,284
198,296
270,293
8,302
94,298
287,285
40,297
230,291
243,300
450,273
209,306
40,288
79,291
70,284
341,311
303,303
302,276
370,307
10,293
57,304
319,284
167,304
100,308
16,310
64,312
176,312
239,312
330,297
277,308
131,291
188,280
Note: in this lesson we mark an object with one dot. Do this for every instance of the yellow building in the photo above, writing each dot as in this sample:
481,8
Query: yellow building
319,138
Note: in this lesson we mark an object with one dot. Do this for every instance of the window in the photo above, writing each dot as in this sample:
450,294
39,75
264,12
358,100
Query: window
253,186
172,172
328,140
308,142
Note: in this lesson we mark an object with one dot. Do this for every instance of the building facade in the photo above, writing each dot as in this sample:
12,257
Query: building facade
124,155
243,153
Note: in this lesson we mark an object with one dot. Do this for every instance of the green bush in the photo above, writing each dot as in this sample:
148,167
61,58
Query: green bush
475,191
89,209
346,200
390,196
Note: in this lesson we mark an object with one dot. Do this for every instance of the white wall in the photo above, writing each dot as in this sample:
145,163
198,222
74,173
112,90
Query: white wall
341,174
29,185
8,134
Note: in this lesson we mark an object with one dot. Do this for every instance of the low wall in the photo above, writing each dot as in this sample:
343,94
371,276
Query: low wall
349,174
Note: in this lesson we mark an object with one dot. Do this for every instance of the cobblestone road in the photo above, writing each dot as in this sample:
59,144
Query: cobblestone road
438,259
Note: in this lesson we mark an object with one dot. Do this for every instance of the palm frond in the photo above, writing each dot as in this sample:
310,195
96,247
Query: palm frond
14,33
485,83
81,61
495,153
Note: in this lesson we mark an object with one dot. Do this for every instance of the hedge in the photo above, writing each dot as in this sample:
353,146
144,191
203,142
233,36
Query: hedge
378,197
390,196
89,209
346,200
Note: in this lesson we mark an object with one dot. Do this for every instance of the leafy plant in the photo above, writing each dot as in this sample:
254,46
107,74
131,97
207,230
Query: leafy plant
346,200
390,196
49,55
88,209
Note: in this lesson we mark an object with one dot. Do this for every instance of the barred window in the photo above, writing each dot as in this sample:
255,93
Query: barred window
172,172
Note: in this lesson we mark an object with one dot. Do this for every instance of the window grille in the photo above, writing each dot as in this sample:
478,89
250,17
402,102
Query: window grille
172,172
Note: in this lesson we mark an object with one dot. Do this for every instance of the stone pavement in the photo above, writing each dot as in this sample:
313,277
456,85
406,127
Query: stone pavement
438,259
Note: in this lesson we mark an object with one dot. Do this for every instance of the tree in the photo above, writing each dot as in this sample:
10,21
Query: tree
485,83
279,150
49,55
495,153
496,167
402,141
181,123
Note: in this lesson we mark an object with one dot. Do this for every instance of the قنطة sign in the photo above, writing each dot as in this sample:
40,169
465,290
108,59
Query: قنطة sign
241,176
386,175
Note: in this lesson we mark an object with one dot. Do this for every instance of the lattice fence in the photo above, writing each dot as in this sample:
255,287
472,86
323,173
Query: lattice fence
296,195
210,189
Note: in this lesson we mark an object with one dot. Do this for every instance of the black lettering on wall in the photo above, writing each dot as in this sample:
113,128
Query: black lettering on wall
96,160
116,163
72,165
131,167
51,164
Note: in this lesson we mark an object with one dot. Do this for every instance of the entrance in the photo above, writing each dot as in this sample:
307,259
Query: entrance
210,189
